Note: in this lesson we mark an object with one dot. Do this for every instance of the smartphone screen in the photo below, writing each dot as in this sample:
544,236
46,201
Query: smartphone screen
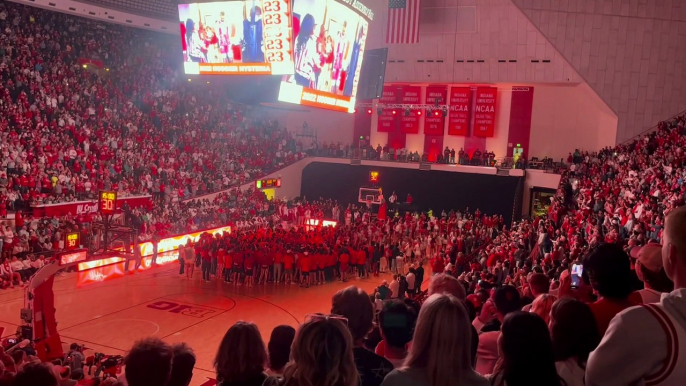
577,270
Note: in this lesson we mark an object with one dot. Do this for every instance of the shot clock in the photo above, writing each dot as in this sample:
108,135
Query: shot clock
268,183
107,202
72,240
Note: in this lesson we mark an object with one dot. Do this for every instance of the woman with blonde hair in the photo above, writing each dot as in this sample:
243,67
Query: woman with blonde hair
440,353
322,354
542,306
242,357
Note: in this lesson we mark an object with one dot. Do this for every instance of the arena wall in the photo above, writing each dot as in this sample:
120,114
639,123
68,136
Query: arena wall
436,190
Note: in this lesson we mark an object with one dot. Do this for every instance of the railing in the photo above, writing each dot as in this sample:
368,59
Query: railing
652,128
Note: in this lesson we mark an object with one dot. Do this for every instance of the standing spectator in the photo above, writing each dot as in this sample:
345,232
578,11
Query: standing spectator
279,348
440,352
609,272
574,335
148,363
527,353
241,357
322,355
488,324
396,322
182,365
634,348
542,306
36,374
649,269
355,305
394,286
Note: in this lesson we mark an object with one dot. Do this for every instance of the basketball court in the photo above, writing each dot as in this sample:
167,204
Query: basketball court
109,316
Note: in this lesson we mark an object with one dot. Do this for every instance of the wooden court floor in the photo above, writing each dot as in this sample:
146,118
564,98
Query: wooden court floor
109,316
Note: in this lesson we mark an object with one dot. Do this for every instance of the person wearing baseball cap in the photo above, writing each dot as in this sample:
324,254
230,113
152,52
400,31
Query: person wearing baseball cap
646,345
649,269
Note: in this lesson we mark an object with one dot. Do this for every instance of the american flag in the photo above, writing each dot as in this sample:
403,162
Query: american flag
403,22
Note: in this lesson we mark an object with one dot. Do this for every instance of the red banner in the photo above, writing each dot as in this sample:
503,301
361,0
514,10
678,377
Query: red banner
409,121
485,110
388,119
434,121
460,109
86,207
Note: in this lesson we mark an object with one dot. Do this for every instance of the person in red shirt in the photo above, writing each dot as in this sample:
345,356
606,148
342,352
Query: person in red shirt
362,262
437,265
278,263
321,264
237,266
288,261
305,261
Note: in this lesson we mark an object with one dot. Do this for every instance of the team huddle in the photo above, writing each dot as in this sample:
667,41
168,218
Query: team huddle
297,256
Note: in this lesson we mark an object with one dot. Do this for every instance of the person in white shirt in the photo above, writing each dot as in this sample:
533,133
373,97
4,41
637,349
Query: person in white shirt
410,281
647,344
649,269
394,286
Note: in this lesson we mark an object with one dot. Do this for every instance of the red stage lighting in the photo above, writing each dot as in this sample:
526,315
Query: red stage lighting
369,111
436,113
394,112
419,113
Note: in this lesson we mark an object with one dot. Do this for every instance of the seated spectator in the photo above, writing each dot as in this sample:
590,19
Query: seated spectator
609,272
527,353
650,271
279,348
36,374
182,365
542,306
396,322
355,305
241,357
574,334
322,355
148,363
488,323
633,350
440,352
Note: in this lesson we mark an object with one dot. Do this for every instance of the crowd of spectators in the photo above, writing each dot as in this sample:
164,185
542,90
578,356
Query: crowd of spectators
591,294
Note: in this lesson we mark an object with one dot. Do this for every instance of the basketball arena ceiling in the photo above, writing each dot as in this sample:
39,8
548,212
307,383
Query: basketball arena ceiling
157,9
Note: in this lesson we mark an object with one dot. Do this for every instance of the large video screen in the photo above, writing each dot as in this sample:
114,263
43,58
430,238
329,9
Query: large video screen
328,45
246,37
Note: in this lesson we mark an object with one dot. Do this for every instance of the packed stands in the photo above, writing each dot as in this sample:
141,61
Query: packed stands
141,133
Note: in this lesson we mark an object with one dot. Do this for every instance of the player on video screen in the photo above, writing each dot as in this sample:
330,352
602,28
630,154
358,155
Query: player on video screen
339,60
194,43
252,35
224,34
307,59
354,59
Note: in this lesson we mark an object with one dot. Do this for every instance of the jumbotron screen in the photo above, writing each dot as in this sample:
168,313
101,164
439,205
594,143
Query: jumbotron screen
328,45
246,37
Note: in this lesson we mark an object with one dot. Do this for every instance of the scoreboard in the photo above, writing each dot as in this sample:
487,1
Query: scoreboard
268,183
107,202
277,26
239,37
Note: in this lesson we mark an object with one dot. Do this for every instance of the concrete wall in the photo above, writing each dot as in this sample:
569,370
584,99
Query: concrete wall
629,51
569,117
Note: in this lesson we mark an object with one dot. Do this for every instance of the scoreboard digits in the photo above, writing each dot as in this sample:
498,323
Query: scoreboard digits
107,202
277,26
72,240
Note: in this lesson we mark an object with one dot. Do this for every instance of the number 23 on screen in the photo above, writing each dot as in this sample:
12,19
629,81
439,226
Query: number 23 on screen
272,6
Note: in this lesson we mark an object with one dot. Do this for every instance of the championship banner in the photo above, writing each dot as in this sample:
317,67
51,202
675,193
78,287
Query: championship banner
434,121
87,207
484,110
387,121
409,121
460,109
